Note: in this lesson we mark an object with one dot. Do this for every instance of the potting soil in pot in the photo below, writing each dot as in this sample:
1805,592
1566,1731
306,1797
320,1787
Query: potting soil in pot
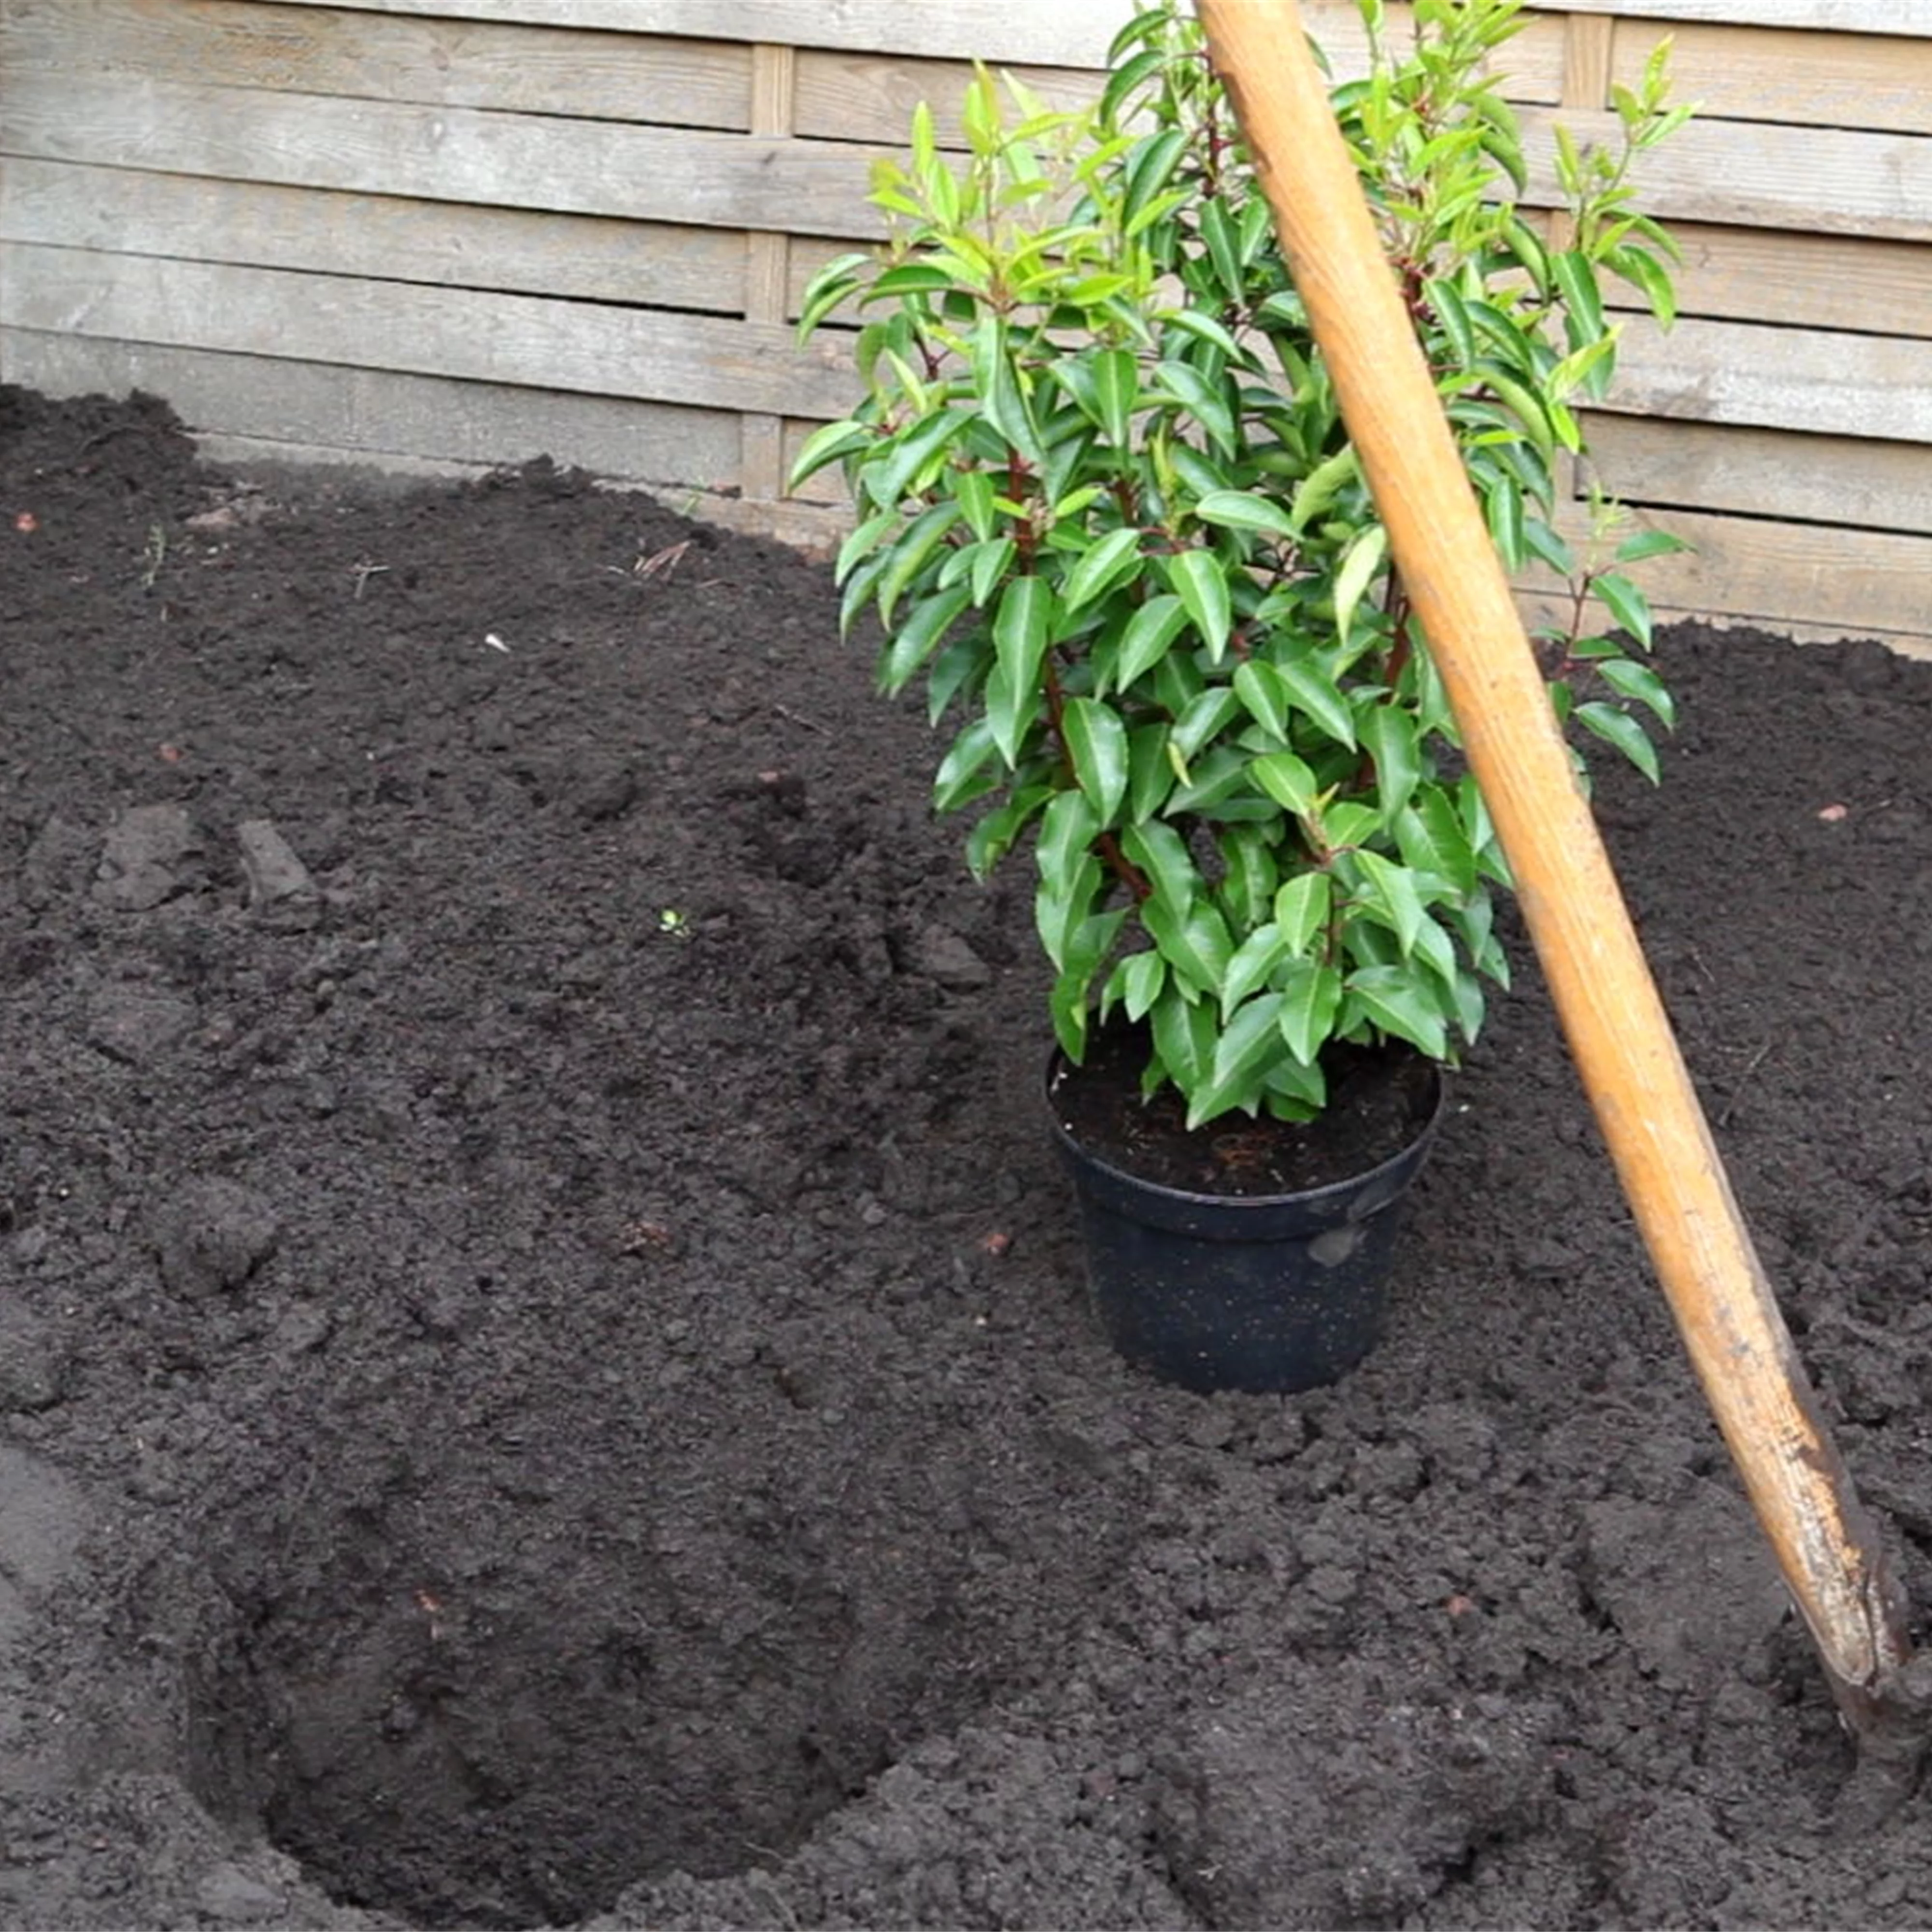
544,1376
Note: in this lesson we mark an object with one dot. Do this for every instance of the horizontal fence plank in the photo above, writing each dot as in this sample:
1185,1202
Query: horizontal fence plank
1829,180
463,154
588,257
1734,372
1073,33
707,361
1906,17
1837,582
1765,472
858,96
1851,283
377,416
440,62
1817,178
1875,81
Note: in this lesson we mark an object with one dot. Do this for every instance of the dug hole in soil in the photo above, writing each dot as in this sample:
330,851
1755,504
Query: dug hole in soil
546,1373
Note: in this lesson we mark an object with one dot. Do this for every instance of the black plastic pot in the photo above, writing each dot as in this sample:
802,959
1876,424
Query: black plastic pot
1261,1293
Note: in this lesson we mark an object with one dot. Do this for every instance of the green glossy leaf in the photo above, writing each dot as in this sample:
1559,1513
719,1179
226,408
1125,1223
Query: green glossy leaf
1110,558
1116,385
919,637
1250,874
1096,742
1322,485
1430,835
1136,983
1022,626
1393,999
1253,961
1259,687
1314,693
1184,1034
973,491
1389,894
1244,510
962,774
1062,904
1311,996
1001,397
994,835
1066,831
910,554
1620,729
1248,1045
1201,584
1387,734
1193,938
1204,719
1301,910
1650,543
1200,397
1638,682
1161,855
1288,780
1150,632
894,467
862,542
1502,506
1149,777
829,443
1350,822
1629,608
994,559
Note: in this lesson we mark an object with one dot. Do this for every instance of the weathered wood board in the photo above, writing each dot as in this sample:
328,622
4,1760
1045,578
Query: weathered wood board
456,231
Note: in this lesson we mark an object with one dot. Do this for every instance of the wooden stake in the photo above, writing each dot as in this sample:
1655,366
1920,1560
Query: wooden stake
1619,1035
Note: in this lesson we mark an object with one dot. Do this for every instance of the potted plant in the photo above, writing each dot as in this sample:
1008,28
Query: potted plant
1107,508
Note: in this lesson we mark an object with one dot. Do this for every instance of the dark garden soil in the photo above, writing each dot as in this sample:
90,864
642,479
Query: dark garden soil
545,1370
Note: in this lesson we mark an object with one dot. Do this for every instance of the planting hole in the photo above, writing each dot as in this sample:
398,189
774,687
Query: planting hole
502,1712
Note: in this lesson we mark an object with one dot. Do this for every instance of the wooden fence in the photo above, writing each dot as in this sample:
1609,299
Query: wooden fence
439,232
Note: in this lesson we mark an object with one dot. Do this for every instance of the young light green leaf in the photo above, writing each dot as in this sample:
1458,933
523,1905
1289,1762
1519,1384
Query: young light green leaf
1355,573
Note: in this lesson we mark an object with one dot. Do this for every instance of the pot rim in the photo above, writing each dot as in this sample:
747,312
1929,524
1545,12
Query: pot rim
1057,1062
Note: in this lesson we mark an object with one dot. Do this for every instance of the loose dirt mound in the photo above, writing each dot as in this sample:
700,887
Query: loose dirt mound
544,1366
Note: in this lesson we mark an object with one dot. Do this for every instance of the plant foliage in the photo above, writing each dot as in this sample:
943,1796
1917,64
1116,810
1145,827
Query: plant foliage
1108,511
